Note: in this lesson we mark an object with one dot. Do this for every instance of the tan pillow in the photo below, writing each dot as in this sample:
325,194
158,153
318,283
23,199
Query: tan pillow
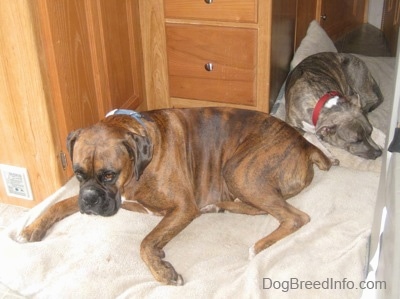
315,41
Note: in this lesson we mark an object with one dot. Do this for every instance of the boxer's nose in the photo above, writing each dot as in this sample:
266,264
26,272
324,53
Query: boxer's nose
90,196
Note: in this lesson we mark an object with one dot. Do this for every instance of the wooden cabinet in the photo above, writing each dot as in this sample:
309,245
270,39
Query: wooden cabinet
336,16
65,64
202,67
390,23
219,52
220,10
91,58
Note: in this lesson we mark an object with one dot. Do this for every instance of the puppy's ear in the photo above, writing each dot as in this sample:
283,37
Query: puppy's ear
71,138
326,131
355,100
140,150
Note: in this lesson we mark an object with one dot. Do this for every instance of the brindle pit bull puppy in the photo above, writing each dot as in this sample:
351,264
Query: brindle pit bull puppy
330,94
179,163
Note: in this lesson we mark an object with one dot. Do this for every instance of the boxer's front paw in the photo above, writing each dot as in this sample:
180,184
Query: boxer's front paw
31,233
166,274
162,270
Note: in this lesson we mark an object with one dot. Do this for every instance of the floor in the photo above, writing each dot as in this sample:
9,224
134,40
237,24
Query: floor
366,40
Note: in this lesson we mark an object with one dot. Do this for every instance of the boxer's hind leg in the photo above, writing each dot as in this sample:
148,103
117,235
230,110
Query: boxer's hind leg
290,219
267,198
38,228
272,202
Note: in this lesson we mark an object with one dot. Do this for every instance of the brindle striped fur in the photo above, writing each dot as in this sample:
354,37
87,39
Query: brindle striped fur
345,125
179,163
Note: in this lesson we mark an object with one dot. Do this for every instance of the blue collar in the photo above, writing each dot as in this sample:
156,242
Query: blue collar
136,115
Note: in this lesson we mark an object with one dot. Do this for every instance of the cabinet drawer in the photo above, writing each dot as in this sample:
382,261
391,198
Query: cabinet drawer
217,10
232,57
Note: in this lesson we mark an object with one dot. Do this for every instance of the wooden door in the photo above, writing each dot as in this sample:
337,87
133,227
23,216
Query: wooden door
63,65
339,17
307,11
91,60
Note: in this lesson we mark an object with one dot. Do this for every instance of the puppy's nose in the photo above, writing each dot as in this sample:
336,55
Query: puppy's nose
372,154
377,153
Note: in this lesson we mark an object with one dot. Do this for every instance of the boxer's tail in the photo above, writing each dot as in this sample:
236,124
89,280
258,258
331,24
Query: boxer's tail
320,159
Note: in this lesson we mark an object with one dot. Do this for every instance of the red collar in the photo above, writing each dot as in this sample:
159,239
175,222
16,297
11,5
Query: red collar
320,104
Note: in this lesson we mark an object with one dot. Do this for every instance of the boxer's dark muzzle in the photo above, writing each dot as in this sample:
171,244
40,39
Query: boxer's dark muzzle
96,200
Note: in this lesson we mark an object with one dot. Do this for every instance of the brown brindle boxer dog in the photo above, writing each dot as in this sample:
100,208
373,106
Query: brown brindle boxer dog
179,163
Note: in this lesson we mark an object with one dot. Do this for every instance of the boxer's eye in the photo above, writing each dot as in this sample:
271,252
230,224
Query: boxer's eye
108,177
80,176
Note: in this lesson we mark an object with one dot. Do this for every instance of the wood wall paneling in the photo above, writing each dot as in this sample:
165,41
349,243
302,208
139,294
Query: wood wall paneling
26,137
154,53
264,46
282,41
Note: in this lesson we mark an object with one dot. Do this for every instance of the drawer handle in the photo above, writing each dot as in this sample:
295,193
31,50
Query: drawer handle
209,67
208,1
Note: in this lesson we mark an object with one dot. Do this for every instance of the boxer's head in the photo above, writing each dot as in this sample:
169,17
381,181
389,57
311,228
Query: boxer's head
105,158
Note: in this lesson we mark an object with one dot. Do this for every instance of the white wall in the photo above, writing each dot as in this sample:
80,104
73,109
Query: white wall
375,9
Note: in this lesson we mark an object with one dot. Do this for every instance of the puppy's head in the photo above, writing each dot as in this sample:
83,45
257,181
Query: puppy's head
105,158
347,127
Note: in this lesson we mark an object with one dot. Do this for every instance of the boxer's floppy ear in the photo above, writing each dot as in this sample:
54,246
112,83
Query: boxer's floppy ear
140,150
72,136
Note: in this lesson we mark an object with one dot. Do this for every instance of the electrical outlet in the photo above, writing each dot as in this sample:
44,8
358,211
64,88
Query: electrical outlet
16,181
